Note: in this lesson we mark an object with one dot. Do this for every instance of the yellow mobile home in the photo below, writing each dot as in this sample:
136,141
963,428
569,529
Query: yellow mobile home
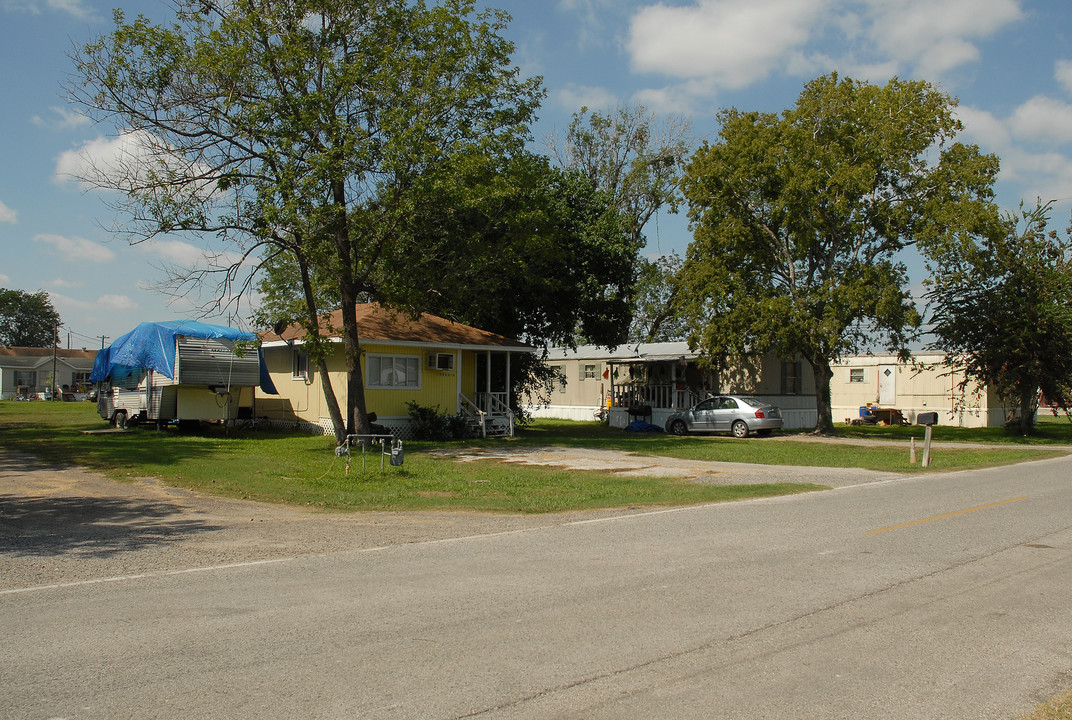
429,360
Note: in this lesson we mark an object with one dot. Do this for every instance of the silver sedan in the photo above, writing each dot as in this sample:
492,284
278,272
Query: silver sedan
736,414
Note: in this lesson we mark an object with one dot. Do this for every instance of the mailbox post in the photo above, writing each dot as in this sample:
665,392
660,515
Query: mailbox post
928,420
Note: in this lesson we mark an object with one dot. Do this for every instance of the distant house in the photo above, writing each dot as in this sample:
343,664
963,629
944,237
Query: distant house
28,372
430,361
874,383
652,380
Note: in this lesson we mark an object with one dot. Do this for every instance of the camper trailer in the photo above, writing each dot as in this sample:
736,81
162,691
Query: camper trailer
178,372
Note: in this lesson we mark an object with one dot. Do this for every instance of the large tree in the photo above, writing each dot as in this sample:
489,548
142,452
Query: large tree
27,319
629,154
799,220
1001,307
512,245
656,316
299,130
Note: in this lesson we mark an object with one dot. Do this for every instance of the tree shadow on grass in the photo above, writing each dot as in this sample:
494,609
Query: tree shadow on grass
89,526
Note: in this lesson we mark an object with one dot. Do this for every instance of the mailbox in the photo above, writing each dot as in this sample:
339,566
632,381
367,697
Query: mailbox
927,418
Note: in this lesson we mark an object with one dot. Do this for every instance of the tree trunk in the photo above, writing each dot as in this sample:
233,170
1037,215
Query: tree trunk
822,372
356,410
337,424
1027,412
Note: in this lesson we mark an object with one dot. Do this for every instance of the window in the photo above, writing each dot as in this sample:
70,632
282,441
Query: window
394,371
299,365
589,372
856,375
557,381
26,379
790,378
80,380
441,361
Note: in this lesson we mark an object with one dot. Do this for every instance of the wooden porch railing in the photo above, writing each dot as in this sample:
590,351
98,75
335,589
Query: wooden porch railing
663,397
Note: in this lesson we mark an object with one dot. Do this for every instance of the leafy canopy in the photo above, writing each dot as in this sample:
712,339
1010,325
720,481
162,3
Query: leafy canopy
298,131
799,220
27,319
1001,309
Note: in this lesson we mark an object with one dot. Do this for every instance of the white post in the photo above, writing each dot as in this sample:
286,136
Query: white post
927,446
509,412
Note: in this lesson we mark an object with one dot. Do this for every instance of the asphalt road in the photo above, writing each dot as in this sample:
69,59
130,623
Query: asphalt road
939,597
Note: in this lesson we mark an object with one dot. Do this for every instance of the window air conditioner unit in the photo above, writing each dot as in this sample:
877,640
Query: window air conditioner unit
441,361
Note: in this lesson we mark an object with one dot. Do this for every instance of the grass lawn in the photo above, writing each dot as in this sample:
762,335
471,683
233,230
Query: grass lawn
303,470
893,456
1059,708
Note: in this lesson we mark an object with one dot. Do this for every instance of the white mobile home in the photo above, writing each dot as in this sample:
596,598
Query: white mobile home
650,381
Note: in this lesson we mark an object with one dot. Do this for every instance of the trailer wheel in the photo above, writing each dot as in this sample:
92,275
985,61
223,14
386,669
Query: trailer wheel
120,419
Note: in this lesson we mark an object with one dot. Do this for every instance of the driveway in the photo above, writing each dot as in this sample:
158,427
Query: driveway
629,464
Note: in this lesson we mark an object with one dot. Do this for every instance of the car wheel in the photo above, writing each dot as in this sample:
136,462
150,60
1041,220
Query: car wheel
678,427
740,430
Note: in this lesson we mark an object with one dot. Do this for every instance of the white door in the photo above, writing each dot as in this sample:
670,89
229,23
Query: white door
887,385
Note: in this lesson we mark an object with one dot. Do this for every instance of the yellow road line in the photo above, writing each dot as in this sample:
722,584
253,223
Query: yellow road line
947,515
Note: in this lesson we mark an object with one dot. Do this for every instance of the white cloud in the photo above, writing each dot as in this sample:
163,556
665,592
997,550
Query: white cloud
34,7
101,158
7,215
123,162
719,44
1062,71
76,248
573,97
4,280
1043,119
176,252
727,41
116,302
104,304
66,120
61,283
1046,175
937,35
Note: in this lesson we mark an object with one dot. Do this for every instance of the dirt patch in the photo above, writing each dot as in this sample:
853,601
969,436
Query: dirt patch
616,462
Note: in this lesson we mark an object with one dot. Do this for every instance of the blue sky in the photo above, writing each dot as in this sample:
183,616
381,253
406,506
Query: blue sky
1009,62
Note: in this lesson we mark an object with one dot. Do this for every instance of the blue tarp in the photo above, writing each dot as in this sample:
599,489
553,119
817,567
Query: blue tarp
641,426
151,346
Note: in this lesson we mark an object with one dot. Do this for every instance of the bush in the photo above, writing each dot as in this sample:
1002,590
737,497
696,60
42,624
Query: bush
431,424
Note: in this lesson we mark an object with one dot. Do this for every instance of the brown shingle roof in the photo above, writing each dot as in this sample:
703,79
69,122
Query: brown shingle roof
377,323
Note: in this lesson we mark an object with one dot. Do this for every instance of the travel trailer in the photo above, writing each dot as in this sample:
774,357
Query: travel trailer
179,371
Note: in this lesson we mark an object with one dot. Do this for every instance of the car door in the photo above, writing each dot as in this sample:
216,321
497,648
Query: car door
722,418
703,415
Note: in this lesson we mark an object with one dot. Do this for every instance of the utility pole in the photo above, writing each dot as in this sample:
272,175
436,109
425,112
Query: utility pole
102,339
55,344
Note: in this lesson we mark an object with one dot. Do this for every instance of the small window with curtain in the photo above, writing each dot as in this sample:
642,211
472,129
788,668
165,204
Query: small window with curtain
394,371
856,375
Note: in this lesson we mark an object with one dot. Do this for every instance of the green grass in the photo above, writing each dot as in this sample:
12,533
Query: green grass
303,470
892,457
1049,430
